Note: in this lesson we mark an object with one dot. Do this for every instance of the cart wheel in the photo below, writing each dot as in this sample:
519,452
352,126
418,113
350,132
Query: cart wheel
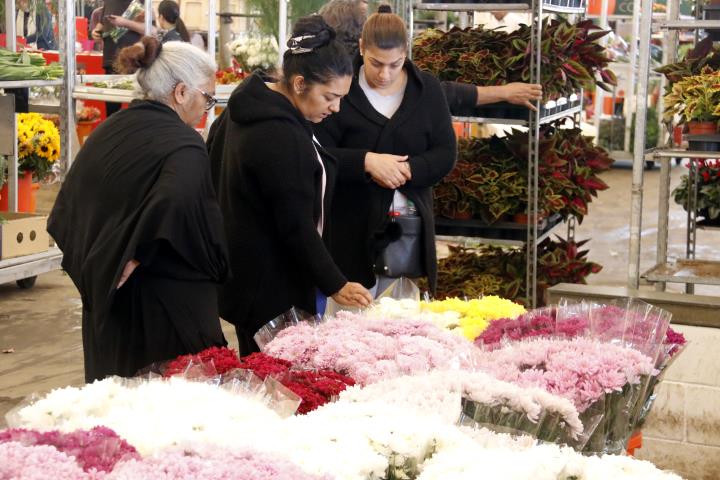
26,283
649,164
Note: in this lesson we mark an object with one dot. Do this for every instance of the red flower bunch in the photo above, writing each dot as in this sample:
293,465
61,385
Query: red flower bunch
674,340
222,359
316,388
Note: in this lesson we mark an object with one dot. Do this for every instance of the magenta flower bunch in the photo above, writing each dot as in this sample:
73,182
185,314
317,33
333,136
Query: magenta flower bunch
38,462
98,449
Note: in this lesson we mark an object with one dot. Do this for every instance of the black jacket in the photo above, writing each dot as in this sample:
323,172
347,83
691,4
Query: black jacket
422,129
269,187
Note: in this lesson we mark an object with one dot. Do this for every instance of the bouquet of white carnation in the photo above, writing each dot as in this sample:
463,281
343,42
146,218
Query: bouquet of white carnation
254,53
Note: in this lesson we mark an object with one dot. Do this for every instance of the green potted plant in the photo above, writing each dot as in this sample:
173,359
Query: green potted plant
696,98
708,195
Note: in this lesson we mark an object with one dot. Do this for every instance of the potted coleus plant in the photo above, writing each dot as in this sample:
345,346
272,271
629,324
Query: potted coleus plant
708,194
696,98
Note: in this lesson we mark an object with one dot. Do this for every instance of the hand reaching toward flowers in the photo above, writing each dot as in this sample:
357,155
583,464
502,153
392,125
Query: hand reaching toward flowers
354,295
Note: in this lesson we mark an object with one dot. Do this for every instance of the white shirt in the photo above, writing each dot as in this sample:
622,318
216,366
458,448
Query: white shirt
385,105
321,222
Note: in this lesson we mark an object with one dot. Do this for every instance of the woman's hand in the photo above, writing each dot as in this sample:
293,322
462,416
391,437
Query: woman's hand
353,295
117,21
97,32
522,93
127,271
388,171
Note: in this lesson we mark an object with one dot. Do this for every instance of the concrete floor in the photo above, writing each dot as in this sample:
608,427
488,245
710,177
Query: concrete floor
42,325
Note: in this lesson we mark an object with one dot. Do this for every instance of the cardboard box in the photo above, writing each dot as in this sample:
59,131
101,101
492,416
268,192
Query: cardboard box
23,234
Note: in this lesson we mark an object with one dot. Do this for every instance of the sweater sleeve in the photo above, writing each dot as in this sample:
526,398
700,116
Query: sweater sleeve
351,161
461,97
429,167
286,182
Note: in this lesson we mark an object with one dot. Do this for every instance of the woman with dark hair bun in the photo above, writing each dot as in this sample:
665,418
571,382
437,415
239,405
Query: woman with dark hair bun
138,222
170,21
275,183
394,140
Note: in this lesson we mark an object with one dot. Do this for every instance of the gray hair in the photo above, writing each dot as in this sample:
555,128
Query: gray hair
347,19
177,62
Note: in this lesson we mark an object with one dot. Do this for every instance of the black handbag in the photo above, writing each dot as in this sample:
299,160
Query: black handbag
399,248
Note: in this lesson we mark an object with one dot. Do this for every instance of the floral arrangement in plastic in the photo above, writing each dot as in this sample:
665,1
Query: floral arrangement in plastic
494,404
215,463
475,314
230,75
315,388
155,414
88,114
369,350
37,462
605,382
255,52
218,360
99,449
38,144
464,317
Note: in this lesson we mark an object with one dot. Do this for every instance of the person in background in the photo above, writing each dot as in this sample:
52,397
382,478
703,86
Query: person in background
170,21
347,18
112,17
138,222
394,140
275,185
35,24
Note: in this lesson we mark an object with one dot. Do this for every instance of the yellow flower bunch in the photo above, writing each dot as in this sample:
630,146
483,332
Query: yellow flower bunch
38,144
476,314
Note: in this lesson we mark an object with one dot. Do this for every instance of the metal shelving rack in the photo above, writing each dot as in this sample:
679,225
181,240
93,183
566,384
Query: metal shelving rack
689,271
24,269
534,233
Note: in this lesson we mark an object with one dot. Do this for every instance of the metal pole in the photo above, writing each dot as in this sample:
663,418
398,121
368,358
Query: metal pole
282,28
10,19
533,159
148,17
691,216
67,102
225,32
663,213
639,146
599,92
630,97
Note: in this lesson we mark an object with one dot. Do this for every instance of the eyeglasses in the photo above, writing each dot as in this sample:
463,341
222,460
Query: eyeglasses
210,101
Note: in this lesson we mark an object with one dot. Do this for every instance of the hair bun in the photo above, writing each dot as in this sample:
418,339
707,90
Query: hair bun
310,33
384,9
141,55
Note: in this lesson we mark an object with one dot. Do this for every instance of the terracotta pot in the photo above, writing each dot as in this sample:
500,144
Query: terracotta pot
462,215
522,218
84,129
25,194
702,128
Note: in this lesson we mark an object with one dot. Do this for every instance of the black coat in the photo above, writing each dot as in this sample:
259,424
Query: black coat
422,129
141,188
269,186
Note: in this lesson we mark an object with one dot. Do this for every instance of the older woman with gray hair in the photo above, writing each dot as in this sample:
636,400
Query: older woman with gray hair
138,222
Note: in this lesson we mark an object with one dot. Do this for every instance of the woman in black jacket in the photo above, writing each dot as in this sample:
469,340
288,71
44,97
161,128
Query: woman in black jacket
394,140
275,185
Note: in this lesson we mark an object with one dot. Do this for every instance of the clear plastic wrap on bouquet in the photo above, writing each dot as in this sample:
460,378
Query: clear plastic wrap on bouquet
546,425
294,316
401,289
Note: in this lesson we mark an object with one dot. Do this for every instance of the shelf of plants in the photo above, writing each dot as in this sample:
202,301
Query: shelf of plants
25,135
508,233
555,6
572,59
508,114
691,98
82,92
